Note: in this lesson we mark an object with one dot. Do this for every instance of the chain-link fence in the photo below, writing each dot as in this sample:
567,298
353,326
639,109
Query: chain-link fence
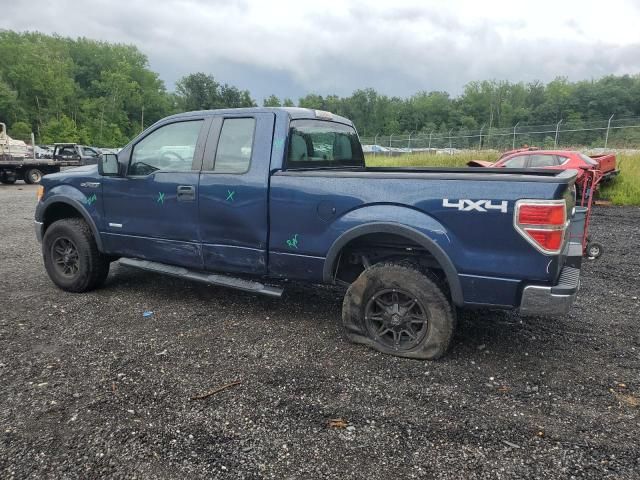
623,133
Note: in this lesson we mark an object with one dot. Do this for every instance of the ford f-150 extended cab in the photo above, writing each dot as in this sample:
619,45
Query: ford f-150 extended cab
244,198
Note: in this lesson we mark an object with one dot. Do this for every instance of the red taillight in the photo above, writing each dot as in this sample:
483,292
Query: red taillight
542,223
542,214
547,239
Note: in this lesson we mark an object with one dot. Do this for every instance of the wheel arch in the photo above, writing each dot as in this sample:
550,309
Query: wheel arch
60,207
410,234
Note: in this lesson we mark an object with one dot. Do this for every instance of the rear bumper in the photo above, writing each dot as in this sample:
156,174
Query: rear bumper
555,300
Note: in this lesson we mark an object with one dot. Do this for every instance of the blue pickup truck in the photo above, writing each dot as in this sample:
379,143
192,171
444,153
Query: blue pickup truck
245,198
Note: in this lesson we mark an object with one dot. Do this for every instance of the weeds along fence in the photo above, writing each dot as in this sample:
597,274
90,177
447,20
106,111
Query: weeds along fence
622,133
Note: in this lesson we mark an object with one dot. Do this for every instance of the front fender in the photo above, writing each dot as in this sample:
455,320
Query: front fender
71,196
407,222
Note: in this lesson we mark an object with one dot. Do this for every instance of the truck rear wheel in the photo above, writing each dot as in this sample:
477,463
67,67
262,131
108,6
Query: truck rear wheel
397,309
72,258
32,175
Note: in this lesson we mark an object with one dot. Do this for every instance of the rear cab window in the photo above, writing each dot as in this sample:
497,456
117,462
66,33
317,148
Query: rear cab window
323,144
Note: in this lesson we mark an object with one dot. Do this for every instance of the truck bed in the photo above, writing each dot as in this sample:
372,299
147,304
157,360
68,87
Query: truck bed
468,212
453,173
6,161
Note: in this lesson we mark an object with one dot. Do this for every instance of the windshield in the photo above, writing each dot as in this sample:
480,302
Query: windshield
323,144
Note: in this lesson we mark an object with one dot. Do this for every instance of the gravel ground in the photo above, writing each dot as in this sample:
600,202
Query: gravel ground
89,387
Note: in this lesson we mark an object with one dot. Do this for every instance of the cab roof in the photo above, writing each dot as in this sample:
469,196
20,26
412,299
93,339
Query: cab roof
294,113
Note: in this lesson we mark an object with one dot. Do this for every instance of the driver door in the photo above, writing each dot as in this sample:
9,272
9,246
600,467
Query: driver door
152,212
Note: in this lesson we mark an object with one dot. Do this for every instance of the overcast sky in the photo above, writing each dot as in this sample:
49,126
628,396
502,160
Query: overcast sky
398,47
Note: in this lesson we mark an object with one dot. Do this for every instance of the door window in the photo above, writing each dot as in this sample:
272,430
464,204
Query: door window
169,148
233,154
90,152
516,162
539,161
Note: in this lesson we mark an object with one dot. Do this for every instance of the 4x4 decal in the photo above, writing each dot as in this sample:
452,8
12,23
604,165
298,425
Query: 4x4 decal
466,205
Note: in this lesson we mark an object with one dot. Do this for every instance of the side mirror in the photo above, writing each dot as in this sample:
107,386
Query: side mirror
108,165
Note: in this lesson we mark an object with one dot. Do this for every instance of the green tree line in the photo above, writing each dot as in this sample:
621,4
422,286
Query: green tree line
86,91
488,103
101,93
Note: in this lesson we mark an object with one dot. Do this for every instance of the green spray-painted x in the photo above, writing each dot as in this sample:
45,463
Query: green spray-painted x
91,199
160,198
230,194
293,242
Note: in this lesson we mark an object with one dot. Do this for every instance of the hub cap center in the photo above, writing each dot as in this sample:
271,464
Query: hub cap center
396,319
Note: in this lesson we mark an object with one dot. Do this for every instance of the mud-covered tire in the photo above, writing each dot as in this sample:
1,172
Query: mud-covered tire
32,175
73,235
414,284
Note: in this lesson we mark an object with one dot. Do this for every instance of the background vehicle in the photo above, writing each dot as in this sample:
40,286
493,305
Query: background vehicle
18,162
72,152
44,151
555,160
246,197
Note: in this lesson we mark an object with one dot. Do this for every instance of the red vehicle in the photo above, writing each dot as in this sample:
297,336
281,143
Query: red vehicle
555,159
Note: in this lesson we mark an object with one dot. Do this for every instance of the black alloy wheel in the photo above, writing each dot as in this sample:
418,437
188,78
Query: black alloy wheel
396,319
65,257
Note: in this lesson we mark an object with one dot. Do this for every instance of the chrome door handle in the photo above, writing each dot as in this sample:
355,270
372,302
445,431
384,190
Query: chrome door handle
186,193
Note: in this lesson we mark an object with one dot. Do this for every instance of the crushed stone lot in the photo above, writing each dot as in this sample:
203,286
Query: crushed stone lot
91,387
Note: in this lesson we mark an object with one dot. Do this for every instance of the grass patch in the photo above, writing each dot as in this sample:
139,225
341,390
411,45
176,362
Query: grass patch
624,190
429,159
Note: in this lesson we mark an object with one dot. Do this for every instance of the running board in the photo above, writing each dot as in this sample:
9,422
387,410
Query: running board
210,278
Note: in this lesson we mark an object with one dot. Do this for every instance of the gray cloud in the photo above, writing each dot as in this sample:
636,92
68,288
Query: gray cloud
293,48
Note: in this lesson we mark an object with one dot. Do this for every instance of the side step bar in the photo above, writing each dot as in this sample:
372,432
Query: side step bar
210,278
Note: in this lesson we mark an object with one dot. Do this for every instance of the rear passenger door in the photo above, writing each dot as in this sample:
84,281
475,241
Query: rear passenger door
233,193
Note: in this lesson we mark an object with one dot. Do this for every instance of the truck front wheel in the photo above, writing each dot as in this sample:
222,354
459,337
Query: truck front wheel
397,309
71,256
